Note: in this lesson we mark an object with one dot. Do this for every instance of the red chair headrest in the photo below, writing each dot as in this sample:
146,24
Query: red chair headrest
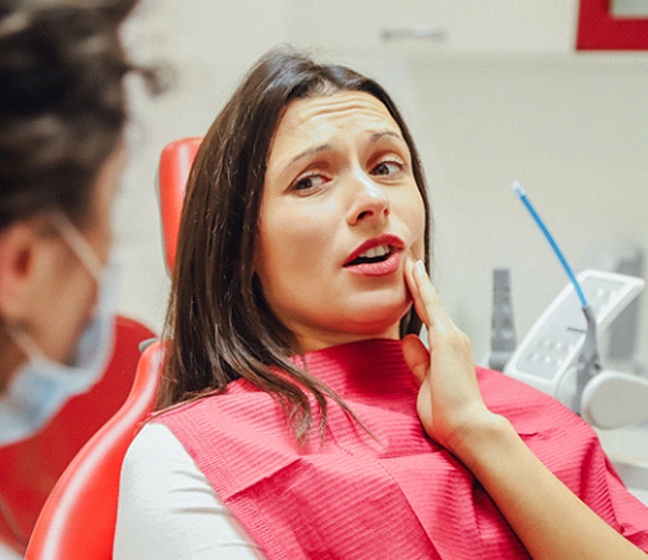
176,160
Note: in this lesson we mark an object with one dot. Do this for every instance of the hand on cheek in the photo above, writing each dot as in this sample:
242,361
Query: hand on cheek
449,399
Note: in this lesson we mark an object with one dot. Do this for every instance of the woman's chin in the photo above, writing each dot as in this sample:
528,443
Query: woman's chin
381,321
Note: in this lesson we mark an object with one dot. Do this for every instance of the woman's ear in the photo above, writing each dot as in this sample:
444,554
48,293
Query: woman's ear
21,247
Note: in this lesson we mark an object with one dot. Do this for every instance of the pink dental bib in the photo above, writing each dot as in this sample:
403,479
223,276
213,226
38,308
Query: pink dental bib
392,493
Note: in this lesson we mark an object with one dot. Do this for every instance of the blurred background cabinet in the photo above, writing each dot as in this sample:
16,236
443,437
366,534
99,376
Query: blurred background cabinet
429,27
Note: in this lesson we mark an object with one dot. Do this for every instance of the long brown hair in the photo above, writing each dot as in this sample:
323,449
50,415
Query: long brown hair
218,326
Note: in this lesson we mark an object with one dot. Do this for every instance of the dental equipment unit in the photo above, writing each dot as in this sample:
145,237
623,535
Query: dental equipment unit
560,355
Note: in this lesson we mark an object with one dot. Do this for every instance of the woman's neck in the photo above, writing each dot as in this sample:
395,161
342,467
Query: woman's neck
311,342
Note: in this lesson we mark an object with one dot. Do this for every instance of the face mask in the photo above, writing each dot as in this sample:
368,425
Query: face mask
40,388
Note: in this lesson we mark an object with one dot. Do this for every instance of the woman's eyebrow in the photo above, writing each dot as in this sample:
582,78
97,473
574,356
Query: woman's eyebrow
308,152
374,137
381,133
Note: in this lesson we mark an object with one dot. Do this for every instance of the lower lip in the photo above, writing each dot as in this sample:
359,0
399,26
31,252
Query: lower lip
383,268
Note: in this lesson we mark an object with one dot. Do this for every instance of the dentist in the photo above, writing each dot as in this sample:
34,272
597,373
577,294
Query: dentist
62,114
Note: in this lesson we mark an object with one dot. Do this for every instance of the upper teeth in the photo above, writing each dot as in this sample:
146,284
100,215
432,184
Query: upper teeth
378,251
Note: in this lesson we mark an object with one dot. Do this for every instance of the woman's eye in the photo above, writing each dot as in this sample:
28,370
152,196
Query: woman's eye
307,183
387,168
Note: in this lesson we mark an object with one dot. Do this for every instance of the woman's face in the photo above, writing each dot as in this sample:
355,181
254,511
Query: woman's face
339,213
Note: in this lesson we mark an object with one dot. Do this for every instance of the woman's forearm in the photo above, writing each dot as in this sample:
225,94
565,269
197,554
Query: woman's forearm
551,521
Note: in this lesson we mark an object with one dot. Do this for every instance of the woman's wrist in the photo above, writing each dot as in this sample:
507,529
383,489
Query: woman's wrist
485,437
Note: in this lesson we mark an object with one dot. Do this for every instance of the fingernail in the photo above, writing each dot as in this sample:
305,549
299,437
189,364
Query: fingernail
420,267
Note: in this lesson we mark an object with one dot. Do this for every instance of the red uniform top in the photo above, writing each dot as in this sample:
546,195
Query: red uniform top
394,493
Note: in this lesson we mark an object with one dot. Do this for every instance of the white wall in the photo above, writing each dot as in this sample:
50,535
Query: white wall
573,128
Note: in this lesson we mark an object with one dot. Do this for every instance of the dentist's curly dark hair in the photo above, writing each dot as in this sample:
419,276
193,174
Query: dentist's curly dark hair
62,102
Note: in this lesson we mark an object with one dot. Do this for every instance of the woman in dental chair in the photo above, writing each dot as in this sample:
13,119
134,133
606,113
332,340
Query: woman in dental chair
300,414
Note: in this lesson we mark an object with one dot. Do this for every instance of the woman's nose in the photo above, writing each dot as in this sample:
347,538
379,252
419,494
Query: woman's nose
369,201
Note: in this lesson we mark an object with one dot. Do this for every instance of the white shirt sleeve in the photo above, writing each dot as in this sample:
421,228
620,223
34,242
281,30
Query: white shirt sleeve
168,510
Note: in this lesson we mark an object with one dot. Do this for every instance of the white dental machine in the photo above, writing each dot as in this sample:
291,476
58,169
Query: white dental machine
559,356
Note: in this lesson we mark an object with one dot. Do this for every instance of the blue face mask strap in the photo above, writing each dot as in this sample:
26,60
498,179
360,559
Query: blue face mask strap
24,341
84,253
70,233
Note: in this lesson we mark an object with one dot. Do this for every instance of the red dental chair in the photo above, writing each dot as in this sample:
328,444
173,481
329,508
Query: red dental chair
78,519
175,163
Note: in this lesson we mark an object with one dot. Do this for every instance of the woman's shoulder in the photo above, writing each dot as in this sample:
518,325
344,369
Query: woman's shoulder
164,494
154,448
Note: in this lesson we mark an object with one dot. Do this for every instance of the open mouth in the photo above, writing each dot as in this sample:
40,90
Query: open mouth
376,254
